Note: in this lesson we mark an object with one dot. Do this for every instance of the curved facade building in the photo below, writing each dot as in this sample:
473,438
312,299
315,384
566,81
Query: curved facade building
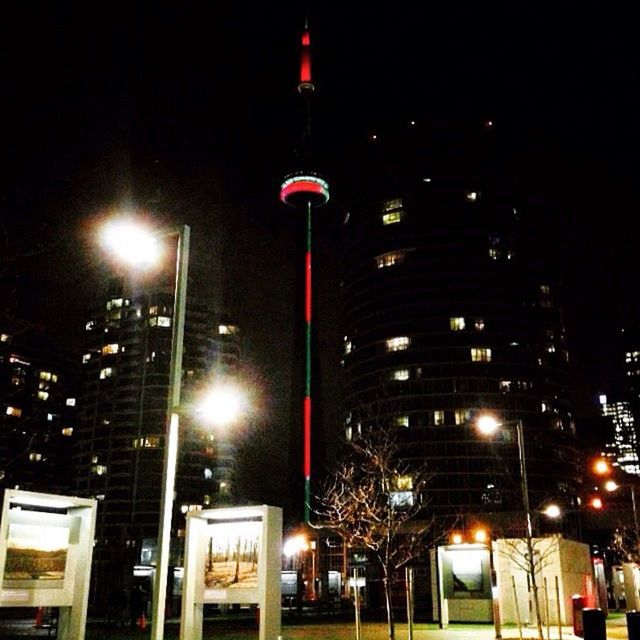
448,315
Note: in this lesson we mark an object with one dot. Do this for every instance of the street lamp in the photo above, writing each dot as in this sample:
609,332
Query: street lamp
134,245
487,425
603,468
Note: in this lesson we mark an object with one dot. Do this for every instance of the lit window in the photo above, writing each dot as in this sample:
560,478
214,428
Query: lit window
544,289
392,205
153,322
403,483
67,431
43,395
110,349
90,326
401,499
391,258
85,358
71,402
49,417
227,329
107,372
185,508
99,469
472,196
114,303
392,218
147,442
206,500
164,321
632,356
94,459
45,375
5,337
208,474
478,324
16,412
348,347
398,344
462,416
480,354
225,488
505,385
348,433
153,310
494,253
457,324
402,421
438,418
35,457
400,374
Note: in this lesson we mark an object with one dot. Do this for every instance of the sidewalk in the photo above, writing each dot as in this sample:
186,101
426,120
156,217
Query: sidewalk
218,630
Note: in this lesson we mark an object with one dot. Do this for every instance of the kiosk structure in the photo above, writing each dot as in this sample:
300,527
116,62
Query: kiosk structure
232,555
46,544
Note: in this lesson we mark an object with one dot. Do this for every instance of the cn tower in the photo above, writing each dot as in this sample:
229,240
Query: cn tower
305,190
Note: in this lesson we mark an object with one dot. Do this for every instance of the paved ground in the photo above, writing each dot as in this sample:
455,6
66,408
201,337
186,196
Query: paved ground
242,630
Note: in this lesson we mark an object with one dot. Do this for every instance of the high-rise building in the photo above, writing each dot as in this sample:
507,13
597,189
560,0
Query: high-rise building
449,314
119,457
38,385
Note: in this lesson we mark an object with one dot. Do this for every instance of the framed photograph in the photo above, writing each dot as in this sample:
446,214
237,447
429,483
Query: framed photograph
232,555
36,556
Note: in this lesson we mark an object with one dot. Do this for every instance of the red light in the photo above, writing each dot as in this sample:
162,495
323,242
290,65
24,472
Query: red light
306,40
301,186
305,67
596,503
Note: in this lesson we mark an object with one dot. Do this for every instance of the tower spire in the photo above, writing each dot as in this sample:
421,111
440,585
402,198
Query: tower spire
306,190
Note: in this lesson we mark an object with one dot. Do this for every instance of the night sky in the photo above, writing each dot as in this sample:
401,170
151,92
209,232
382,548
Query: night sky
193,108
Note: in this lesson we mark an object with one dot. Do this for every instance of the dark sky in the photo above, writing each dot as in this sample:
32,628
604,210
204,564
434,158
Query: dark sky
194,105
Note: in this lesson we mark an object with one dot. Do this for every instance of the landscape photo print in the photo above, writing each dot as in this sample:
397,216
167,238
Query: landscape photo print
36,556
232,555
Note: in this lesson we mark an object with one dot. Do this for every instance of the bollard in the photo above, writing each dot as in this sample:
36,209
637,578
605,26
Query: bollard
577,603
633,625
593,624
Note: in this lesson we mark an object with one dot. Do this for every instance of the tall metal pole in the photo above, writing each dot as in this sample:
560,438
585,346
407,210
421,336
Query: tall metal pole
171,436
525,500
307,384
635,514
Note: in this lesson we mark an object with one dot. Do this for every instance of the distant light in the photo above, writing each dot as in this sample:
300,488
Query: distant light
596,503
602,398
552,511
456,538
488,124
413,123
480,536
487,425
374,136
601,467
426,179
295,545
611,485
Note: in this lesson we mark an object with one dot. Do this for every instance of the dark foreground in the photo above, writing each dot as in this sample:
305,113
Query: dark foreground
299,629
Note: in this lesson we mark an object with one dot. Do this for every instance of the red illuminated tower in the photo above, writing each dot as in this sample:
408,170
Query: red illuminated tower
305,190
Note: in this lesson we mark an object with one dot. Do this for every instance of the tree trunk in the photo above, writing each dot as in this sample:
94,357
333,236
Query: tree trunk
534,587
387,597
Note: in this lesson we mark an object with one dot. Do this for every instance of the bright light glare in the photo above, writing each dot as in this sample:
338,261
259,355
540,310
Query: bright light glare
222,405
552,511
480,535
596,503
487,425
294,545
601,467
456,538
611,485
130,243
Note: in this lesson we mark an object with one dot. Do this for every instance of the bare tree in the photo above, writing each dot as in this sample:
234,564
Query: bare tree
373,501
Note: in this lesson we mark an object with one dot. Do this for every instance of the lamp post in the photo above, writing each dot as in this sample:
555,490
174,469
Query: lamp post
487,425
134,246
603,468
